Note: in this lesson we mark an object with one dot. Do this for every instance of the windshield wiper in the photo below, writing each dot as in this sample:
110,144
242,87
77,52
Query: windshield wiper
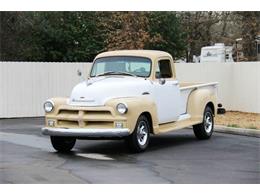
115,73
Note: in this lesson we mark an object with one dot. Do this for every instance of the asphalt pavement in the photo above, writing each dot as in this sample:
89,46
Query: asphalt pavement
26,156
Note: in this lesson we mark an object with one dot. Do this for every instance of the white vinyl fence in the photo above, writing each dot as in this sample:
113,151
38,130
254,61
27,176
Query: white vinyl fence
239,83
24,86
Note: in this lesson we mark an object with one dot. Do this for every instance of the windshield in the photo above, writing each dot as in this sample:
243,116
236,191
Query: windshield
123,65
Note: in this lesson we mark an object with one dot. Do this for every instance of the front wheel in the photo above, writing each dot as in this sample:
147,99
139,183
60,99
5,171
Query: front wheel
205,129
138,141
63,144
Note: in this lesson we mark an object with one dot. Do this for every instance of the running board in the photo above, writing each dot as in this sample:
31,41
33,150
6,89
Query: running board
184,123
183,117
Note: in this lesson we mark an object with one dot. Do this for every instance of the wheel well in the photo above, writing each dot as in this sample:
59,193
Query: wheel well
149,117
211,105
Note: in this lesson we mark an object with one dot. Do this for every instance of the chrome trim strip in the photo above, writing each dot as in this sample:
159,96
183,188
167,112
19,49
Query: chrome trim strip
80,132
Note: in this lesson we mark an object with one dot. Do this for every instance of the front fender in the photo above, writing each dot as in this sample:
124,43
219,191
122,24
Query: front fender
136,106
58,101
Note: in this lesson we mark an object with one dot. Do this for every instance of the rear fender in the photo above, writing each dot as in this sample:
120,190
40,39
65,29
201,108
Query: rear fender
198,100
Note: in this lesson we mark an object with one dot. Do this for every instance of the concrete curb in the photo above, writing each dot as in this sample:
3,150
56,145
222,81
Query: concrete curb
237,131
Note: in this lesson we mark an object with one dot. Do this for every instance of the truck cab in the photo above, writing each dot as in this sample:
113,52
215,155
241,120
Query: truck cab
130,94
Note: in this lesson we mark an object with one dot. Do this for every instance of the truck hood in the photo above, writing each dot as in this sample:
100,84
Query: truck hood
96,91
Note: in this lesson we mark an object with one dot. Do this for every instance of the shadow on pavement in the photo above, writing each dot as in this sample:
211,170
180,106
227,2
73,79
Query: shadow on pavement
118,147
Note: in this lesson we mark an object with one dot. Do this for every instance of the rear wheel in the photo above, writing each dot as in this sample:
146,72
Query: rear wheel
63,144
205,129
138,141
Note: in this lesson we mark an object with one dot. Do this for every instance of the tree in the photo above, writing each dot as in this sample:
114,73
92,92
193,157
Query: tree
167,34
54,36
10,29
79,36
144,30
227,30
127,30
197,26
250,28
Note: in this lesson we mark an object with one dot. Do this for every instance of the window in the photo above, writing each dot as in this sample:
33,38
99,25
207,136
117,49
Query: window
227,56
164,69
138,66
209,52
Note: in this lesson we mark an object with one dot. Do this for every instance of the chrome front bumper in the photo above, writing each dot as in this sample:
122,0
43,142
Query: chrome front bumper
95,133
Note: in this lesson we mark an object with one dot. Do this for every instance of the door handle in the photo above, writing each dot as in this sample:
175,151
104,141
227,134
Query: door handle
145,93
175,83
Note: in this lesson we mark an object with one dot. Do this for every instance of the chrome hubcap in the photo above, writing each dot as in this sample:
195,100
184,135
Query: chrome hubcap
208,122
142,133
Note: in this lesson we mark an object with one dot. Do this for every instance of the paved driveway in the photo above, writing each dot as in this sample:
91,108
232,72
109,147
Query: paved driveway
178,157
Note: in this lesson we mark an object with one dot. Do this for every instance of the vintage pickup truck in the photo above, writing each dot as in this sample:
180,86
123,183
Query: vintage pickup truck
130,94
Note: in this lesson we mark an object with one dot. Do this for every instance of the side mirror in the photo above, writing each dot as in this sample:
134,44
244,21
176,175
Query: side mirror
79,73
162,81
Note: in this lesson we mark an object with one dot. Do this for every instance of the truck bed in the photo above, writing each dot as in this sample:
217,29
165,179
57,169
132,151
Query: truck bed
186,89
186,85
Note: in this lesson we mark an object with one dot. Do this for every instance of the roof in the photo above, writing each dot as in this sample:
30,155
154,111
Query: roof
143,53
217,46
213,47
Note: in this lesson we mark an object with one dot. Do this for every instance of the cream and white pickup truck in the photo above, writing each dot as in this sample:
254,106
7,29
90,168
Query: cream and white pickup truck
130,94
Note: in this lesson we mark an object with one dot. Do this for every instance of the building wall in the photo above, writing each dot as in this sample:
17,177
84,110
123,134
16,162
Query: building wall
24,86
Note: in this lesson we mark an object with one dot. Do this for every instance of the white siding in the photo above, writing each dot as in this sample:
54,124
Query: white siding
24,86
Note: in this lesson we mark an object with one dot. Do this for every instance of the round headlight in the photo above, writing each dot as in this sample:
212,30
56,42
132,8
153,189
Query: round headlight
48,106
122,108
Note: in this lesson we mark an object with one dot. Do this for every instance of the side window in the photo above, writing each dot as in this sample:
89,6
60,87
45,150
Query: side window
164,69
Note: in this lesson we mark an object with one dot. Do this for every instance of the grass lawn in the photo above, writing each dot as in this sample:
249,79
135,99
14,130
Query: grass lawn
239,120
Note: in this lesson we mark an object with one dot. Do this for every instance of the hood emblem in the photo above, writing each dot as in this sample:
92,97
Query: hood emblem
82,100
